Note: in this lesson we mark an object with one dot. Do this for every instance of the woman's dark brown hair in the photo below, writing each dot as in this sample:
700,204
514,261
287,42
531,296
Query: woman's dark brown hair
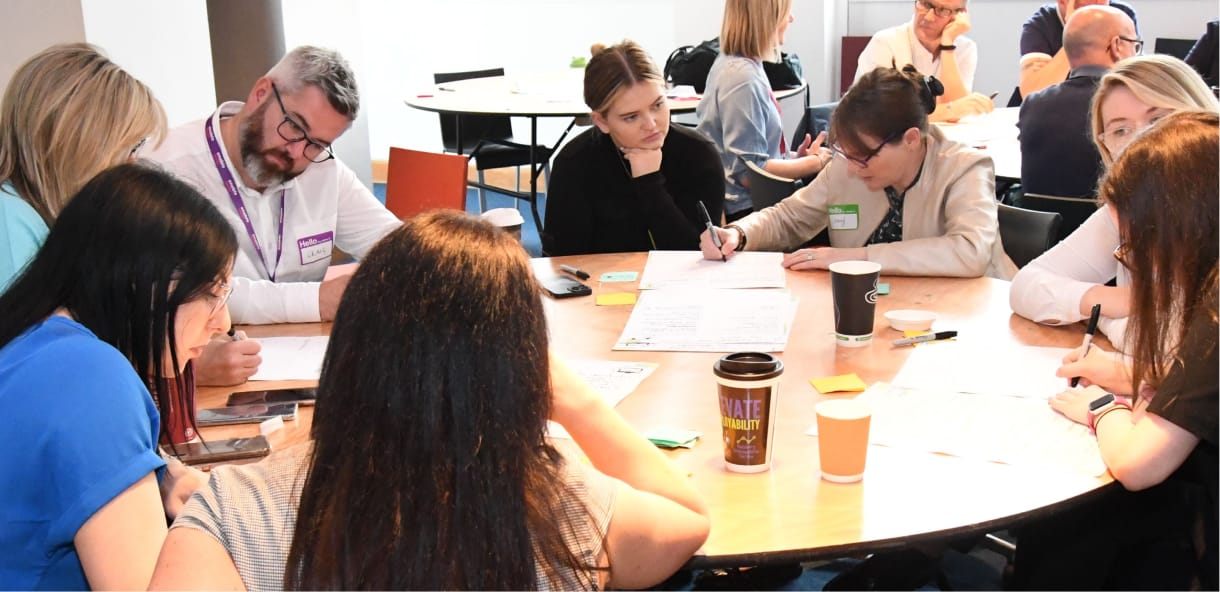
883,104
430,469
1163,188
614,68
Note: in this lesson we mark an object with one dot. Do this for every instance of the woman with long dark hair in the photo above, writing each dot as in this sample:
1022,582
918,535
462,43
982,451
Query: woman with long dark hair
1154,414
129,286
429,466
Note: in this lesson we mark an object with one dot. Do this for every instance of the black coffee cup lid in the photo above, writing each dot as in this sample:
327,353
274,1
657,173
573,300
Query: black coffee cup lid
748,366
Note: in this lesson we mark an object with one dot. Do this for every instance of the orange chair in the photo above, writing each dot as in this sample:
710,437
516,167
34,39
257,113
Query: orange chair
420,181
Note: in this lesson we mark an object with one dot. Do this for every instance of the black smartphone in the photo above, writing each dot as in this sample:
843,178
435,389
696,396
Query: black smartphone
302,396
561,286
197,453
255,413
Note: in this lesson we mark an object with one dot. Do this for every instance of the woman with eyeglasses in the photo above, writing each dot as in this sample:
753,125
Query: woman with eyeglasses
129,287
67,113
740,114
1062,285
887,157
1154,413
430,468
632,182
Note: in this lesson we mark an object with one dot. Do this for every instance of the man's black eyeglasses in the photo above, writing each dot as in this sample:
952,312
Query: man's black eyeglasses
291,132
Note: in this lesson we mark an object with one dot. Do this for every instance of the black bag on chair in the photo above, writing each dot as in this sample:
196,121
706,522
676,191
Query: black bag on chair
690,64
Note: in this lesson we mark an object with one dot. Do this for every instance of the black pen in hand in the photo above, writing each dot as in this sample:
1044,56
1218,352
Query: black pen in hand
711,230
1094,315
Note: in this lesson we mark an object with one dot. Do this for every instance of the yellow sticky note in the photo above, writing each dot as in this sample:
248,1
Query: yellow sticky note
838,384
914,333
615,299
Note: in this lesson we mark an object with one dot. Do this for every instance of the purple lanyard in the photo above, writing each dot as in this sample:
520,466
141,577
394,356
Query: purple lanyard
226,178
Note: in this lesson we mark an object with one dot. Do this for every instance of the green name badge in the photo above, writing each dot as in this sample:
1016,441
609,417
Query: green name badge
844,216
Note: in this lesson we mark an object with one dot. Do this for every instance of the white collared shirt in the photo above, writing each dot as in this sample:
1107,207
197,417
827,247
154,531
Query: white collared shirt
325,207
899,45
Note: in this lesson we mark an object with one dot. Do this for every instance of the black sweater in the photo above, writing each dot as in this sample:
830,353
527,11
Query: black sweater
594,206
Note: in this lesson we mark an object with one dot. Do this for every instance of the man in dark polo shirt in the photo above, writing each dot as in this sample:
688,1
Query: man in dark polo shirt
1043,61
1058,156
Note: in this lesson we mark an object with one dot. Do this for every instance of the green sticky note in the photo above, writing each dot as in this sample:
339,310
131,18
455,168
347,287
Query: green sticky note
883,289
620,276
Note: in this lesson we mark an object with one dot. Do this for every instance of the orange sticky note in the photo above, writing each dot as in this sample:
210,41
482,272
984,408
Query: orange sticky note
615,299
846,383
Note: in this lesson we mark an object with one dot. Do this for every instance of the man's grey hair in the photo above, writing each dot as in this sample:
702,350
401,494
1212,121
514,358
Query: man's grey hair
323,68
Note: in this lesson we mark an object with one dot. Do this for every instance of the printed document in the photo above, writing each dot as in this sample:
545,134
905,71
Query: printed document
612,380
688,269
710,321
291,358
964,367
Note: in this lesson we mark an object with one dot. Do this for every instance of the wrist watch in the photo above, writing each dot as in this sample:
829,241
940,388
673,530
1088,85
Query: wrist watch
1102,405
944,47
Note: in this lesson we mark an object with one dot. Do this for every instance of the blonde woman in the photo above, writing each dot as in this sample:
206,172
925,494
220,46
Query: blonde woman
1061,286
738,111
67,114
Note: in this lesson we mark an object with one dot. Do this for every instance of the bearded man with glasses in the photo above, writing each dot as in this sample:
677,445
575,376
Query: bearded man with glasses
268,166
934,42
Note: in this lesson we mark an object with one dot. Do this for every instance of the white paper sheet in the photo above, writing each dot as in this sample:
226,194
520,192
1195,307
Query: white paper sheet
709,321
966,367
688,269
611,379
291,358
1011,430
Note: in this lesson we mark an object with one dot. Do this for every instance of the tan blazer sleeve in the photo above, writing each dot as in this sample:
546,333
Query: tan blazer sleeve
794,220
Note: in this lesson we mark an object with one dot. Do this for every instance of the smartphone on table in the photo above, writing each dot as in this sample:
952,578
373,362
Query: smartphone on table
561,286
300,396
212,451
253,413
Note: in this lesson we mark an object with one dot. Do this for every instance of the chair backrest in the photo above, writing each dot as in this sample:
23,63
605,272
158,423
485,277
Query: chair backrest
419,181
1027,233
1177,48
815,121
1074,210
474,127
849,59
767,189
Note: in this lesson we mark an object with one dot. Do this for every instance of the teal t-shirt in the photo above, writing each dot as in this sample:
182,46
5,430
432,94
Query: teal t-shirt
22,233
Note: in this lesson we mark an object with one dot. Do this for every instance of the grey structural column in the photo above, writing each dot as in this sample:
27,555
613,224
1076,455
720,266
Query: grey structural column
247,39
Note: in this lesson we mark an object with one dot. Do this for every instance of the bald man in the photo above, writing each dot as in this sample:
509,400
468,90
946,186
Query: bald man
1058,156
1043,61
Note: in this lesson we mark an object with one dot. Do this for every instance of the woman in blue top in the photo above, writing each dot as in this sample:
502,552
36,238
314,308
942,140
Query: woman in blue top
739,113
131,284
67,113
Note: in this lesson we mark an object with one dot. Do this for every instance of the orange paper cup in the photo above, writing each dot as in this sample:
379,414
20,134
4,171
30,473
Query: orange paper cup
843,439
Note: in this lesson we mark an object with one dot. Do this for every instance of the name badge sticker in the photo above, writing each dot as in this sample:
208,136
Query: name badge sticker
316,247
844,216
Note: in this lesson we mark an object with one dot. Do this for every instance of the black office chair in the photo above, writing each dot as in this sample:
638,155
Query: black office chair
767,189
1074,210
1027,233
487,139
815,121
1177,48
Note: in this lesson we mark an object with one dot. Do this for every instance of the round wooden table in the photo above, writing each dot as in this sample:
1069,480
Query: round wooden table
789,513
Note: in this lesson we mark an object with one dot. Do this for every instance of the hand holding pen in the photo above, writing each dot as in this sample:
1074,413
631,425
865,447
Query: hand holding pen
1094,316
711,231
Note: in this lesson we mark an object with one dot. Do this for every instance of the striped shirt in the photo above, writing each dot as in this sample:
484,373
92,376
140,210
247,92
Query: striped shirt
251,511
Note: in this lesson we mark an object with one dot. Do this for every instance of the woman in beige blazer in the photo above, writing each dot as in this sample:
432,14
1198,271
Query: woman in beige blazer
897,192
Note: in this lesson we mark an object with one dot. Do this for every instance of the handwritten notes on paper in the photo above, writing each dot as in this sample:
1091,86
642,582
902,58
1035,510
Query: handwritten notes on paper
688,269
612,380
1011,430
291,358
966,367
710,321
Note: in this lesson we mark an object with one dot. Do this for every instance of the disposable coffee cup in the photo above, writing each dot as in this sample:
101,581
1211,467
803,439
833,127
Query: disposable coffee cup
748,385
853,287
843,439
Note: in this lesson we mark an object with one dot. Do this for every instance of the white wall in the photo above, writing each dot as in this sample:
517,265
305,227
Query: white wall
164,44
28,26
